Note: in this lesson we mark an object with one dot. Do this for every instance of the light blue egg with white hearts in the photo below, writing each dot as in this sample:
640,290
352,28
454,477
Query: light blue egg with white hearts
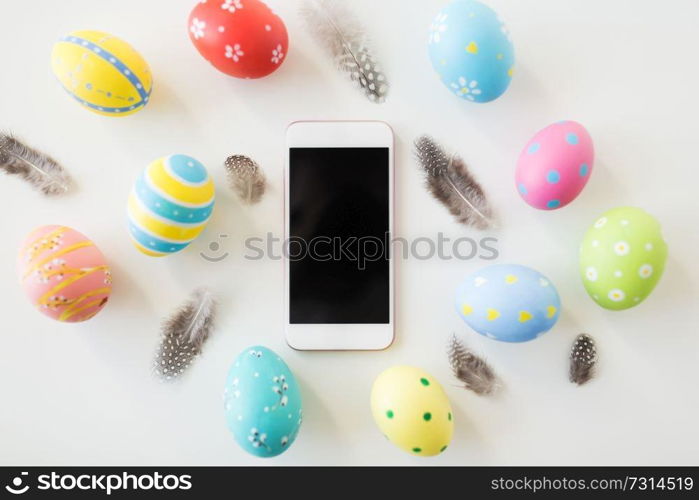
262,402
471,50
508,302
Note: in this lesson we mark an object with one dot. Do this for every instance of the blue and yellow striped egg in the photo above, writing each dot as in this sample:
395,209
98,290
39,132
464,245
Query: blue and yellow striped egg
170,204
102,72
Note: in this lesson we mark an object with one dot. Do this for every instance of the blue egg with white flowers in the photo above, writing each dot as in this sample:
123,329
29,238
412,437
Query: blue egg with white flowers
507,302
262,402
471,50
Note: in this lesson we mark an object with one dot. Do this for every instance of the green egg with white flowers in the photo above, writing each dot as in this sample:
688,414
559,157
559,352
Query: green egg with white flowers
622,258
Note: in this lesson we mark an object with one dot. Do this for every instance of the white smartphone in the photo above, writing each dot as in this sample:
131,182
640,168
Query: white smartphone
338,226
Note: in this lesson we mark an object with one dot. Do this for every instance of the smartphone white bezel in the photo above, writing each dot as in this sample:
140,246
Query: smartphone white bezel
338,134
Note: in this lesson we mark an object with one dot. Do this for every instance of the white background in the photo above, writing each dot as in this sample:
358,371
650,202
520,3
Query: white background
83,394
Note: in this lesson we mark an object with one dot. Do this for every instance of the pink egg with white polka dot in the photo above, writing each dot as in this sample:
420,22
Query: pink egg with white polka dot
555,165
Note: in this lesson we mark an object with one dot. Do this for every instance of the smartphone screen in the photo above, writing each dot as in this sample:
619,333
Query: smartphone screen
338,235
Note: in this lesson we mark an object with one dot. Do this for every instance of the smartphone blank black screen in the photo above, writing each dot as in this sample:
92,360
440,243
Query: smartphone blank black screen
339,215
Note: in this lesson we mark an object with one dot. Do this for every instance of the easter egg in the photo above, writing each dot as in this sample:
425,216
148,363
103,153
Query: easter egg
471,51
64,274
555,165
622,257
412,410
241,38
262,402
506,302
102,72
170,204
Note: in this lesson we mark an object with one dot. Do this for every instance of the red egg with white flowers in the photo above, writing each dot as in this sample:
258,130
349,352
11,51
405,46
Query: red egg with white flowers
242,38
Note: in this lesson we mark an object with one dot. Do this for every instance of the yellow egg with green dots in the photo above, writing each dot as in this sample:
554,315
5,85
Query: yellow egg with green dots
412,410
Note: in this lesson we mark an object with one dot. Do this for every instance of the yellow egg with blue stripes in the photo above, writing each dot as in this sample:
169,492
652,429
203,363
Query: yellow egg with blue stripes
102,72
170,204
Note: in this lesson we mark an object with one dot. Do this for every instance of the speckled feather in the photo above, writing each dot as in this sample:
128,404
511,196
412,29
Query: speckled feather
184,334
470,369
583,358
246,178
341,34
450,182
38,169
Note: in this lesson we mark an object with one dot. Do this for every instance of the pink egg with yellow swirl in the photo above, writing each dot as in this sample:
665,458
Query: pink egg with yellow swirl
64,274
555,165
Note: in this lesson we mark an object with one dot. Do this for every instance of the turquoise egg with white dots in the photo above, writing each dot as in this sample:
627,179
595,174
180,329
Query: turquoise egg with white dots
262,402
508,302
471,50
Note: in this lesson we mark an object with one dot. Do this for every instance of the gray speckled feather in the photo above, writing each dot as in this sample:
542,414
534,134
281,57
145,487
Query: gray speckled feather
246,178
184,334
340,33
38,169
450,182
583,358
470,369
